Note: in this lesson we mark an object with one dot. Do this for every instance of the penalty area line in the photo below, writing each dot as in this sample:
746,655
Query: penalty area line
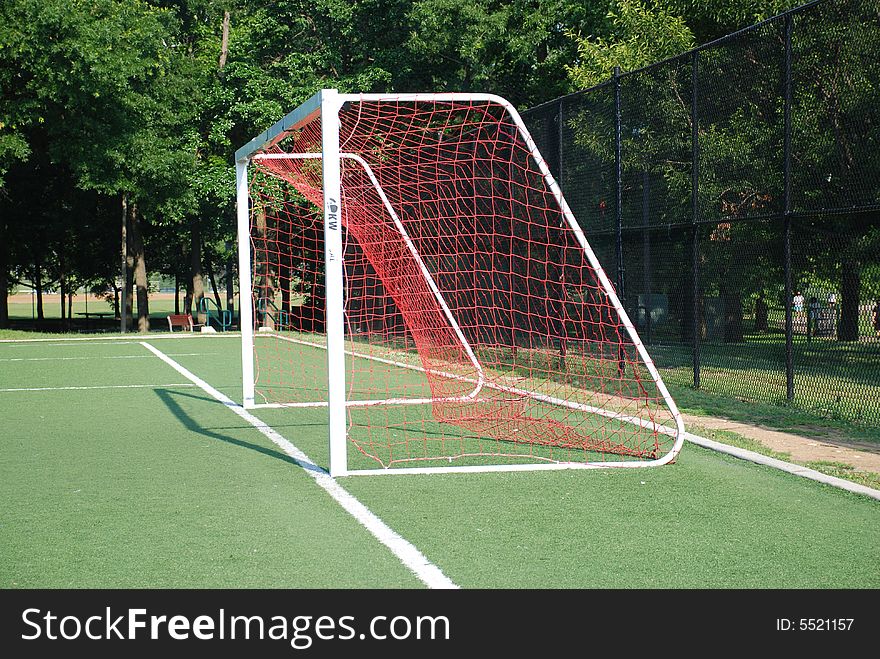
102,386
405,551
120,339
70,359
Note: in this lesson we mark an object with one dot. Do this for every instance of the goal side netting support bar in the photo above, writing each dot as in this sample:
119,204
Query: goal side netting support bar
412,276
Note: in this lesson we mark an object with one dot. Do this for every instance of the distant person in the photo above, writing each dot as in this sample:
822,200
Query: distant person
832,299
797,303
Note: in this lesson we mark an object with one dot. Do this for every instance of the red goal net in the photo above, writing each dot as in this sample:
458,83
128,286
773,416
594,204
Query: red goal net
479,327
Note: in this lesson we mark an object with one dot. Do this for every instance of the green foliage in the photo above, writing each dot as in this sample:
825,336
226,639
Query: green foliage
712,19
13,148
89,84
638,35
113,96
101,97
740,101
518,49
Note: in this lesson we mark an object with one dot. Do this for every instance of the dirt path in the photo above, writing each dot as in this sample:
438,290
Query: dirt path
862,456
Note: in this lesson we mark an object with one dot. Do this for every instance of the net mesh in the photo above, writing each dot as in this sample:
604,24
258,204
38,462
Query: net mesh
477,329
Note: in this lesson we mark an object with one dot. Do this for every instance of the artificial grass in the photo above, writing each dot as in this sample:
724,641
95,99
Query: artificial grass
165,487
160,487
708,521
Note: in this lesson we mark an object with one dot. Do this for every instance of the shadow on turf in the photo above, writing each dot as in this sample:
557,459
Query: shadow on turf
168,397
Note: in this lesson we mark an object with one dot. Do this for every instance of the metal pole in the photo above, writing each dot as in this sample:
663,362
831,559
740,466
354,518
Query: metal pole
245,286
331,173
123,316
618,206
618,203
563,343
786,197
646,258
695,209
559,141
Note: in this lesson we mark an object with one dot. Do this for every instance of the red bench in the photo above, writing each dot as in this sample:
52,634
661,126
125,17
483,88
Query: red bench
183,320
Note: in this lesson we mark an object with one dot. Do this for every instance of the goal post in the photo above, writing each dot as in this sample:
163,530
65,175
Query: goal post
418,281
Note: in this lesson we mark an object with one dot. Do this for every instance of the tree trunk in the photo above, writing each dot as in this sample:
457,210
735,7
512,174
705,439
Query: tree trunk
284,282
733,316
176,294
224,43
850,285
128,282
4,280
129,289
685,307
198,285
213,282
230,291
140,271
62,286
188,296
761,321
4,292
265,279
38,286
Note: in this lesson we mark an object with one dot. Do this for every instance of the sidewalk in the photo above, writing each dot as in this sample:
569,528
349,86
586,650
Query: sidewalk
862,456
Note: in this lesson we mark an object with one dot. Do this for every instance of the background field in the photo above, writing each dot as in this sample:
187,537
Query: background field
132,477
22,311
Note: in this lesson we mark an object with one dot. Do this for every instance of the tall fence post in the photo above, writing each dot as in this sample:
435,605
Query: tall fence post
563,345
695,210
618,204
559,135
646,253
618,188
786,212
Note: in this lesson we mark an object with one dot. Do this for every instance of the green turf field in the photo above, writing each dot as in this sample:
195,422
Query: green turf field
118,471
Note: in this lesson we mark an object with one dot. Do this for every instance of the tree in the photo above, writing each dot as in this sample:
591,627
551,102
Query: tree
740,132
516,49
836,127
99,93
638,35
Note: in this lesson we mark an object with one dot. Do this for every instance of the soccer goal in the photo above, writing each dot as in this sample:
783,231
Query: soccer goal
418,282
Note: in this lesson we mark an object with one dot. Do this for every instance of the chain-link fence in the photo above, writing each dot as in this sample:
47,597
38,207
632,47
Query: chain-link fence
733,195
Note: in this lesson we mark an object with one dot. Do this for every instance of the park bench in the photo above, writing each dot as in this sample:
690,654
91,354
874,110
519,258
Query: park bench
183,320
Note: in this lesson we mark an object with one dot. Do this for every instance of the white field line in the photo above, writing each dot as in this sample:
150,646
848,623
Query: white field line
791,468
406,552
122,339
68,359
356,403
103,386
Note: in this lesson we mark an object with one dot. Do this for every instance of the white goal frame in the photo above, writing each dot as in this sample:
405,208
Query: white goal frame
327,103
